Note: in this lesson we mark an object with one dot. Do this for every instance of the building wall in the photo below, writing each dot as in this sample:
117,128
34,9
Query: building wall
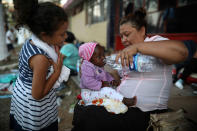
95,32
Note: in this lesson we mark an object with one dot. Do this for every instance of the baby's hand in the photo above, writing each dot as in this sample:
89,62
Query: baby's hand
105,84
115,83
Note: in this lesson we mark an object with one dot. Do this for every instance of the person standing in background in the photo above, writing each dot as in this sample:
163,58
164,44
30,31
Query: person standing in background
10,39
70,53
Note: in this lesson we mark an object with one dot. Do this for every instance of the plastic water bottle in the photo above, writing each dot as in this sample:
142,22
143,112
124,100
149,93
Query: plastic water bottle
111,61
144,63
78,68
78,65
141,63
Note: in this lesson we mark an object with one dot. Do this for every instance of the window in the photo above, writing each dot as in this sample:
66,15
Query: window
96,11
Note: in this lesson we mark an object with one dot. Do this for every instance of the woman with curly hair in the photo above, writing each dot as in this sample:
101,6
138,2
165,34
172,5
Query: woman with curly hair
33,104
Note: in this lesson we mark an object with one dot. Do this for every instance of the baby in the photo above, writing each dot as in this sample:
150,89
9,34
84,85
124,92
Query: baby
95,82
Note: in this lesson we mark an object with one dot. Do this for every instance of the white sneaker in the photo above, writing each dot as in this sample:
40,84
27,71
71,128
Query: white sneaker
194,84
179,84
195,92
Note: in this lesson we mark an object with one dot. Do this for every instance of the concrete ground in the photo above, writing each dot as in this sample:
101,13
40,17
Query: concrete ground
184,99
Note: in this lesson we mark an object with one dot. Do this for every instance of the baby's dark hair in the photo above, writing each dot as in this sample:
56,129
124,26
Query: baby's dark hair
39,17
100,46
137,19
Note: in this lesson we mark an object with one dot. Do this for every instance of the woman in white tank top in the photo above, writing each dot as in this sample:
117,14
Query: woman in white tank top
151,88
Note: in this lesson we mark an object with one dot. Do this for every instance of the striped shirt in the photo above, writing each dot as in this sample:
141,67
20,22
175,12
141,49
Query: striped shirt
29,113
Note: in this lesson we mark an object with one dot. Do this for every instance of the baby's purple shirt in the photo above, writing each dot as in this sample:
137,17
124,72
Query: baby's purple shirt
92,76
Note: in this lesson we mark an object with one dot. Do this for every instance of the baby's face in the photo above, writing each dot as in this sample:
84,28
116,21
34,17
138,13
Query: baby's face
98,56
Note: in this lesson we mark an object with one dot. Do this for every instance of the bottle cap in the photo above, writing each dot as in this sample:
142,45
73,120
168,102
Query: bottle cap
133,66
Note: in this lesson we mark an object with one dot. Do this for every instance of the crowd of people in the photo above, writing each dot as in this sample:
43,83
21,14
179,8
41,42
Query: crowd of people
50,55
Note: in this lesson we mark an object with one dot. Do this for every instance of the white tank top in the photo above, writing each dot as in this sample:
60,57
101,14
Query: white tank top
151,88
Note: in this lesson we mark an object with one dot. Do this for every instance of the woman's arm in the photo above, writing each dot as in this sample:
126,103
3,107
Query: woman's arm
40,85
169,51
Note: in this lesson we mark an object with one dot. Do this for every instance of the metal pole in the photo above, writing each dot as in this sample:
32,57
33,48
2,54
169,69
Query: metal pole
3,49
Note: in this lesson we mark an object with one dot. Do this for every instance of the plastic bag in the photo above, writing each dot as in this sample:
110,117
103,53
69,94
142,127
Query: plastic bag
170,121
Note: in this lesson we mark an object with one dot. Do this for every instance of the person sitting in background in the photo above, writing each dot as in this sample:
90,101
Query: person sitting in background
189,67
70,53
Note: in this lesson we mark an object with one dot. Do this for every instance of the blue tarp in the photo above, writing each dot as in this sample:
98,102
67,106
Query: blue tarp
8,78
